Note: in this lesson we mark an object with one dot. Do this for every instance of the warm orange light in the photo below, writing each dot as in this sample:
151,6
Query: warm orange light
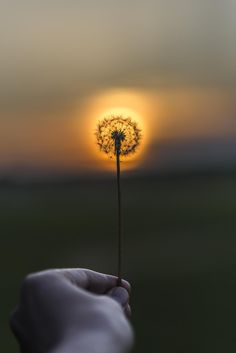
116,102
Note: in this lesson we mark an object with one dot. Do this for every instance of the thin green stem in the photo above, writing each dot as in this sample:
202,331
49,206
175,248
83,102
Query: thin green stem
119,272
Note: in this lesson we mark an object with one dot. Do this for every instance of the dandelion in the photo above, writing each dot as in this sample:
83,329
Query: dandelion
118,134
118,137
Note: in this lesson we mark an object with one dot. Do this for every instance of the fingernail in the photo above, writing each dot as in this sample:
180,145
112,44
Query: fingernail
126,285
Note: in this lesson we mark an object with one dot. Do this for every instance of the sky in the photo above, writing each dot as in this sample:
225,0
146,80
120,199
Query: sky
64,64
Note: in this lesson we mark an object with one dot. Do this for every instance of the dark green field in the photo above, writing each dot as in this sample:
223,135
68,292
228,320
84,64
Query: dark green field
180,251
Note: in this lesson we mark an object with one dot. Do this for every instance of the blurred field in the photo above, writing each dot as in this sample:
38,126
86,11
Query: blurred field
180,249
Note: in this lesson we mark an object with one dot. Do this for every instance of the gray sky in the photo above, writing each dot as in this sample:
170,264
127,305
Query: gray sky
62,48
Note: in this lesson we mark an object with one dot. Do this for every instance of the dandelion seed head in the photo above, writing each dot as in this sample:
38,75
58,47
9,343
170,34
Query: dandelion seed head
117,133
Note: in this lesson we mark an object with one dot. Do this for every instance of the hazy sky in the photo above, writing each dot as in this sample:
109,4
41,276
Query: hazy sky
58,56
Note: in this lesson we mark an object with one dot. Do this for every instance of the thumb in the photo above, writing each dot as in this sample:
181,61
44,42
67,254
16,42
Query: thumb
119,294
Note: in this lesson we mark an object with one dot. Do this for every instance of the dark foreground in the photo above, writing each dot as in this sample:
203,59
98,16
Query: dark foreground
180,251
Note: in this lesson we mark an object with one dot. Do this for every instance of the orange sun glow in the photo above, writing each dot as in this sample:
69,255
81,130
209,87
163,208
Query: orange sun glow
116,103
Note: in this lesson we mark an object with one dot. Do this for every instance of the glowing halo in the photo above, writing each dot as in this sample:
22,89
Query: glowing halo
115,102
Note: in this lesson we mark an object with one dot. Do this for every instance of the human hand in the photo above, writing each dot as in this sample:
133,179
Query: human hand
72,310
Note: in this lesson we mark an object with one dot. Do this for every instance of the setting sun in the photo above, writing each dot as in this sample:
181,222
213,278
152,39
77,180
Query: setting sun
116,103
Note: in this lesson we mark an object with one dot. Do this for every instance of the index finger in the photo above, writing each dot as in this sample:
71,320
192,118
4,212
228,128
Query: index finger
95,282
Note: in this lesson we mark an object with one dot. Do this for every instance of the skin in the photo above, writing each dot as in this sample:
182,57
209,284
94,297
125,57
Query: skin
73,311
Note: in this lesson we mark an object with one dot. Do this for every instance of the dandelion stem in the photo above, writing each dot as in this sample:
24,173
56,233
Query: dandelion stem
118,136
119,217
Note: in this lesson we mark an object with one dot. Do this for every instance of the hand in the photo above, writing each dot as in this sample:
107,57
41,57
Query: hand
72,311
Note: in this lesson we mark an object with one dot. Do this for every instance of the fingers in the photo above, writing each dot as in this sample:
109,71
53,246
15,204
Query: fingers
120,295
100,283
95,282
128,311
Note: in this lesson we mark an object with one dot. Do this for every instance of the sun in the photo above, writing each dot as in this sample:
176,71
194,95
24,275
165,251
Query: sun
124,103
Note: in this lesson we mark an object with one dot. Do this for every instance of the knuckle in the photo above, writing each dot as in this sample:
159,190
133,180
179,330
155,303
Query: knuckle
31,284
38,283
29,281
